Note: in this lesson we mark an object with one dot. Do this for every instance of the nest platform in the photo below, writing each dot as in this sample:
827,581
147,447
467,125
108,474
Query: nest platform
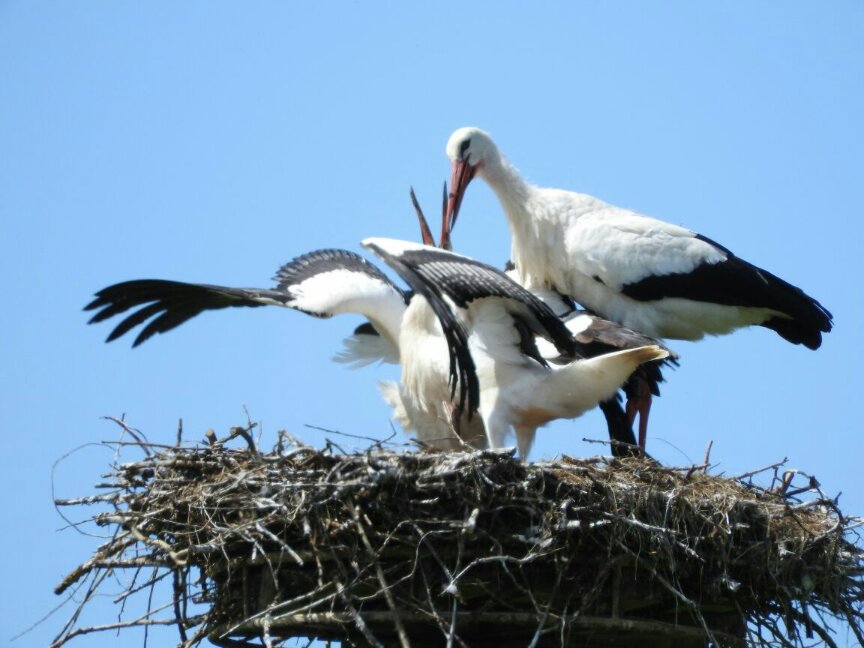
389,548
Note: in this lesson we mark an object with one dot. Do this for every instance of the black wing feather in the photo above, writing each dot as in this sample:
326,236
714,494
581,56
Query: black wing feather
735,282
604,336
171,303
318,262
465,280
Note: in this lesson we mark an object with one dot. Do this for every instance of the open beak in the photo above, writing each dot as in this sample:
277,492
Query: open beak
462,173
425,232
446,229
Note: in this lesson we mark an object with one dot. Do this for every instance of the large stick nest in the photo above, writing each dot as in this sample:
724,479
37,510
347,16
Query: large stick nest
469,549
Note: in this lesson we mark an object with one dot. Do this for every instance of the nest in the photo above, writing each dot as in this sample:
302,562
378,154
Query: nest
471,549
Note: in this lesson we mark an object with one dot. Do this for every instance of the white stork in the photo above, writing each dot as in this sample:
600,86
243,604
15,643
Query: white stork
490,323
321,283
651,276
654,277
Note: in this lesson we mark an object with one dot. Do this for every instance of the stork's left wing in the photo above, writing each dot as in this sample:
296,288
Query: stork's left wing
322,283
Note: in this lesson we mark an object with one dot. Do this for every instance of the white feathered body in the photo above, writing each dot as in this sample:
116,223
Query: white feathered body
589,249
518,393
422,403
654,277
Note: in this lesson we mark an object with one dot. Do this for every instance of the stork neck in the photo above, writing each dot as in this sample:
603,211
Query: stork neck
515,195
507,183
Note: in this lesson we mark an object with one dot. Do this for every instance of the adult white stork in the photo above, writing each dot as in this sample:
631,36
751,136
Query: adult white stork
651,276
490,324
323,283
654,277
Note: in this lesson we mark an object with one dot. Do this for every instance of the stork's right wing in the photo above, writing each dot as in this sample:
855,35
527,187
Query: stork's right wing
465,280
436,274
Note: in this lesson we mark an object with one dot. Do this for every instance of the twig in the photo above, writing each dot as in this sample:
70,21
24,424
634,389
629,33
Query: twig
135,434
772,466
142,621
388,596
706,460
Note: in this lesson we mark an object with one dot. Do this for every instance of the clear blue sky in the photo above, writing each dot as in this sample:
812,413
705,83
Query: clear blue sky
212,141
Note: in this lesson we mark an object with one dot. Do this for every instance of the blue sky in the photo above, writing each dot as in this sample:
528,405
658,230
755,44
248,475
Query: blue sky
213,141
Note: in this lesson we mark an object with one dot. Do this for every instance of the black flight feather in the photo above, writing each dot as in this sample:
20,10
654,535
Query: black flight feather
735,282
171,303
465,280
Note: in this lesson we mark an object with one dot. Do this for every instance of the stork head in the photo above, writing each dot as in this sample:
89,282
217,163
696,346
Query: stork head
470,149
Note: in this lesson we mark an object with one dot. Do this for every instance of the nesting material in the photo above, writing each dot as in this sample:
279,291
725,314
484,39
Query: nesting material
472,549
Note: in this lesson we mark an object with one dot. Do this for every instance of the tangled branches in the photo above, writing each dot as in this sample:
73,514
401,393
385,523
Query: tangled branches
459,549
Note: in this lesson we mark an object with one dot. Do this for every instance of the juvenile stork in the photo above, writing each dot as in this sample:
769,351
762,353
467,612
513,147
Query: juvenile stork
490,324
323,283
653,277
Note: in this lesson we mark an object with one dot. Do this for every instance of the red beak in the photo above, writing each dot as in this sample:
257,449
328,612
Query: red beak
446,243
461,174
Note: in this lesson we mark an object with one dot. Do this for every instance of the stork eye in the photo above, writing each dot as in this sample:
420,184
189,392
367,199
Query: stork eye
464,147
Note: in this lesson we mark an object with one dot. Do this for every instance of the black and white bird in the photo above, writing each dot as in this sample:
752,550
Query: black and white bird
653,277
490,325
323,283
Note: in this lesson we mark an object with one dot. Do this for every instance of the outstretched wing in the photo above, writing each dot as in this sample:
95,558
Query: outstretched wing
321,283
464,280
436,273
167,304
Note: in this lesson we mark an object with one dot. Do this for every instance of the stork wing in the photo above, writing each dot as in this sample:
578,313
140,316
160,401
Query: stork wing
464,280
321,283
607,336
649,260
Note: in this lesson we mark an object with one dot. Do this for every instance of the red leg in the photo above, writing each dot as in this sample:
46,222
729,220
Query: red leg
640,403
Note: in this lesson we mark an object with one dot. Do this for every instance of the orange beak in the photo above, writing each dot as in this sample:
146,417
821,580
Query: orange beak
461,174
446,243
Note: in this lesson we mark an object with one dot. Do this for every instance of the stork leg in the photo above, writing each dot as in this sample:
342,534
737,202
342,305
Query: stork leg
620,428
524,439
639,402
496,424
